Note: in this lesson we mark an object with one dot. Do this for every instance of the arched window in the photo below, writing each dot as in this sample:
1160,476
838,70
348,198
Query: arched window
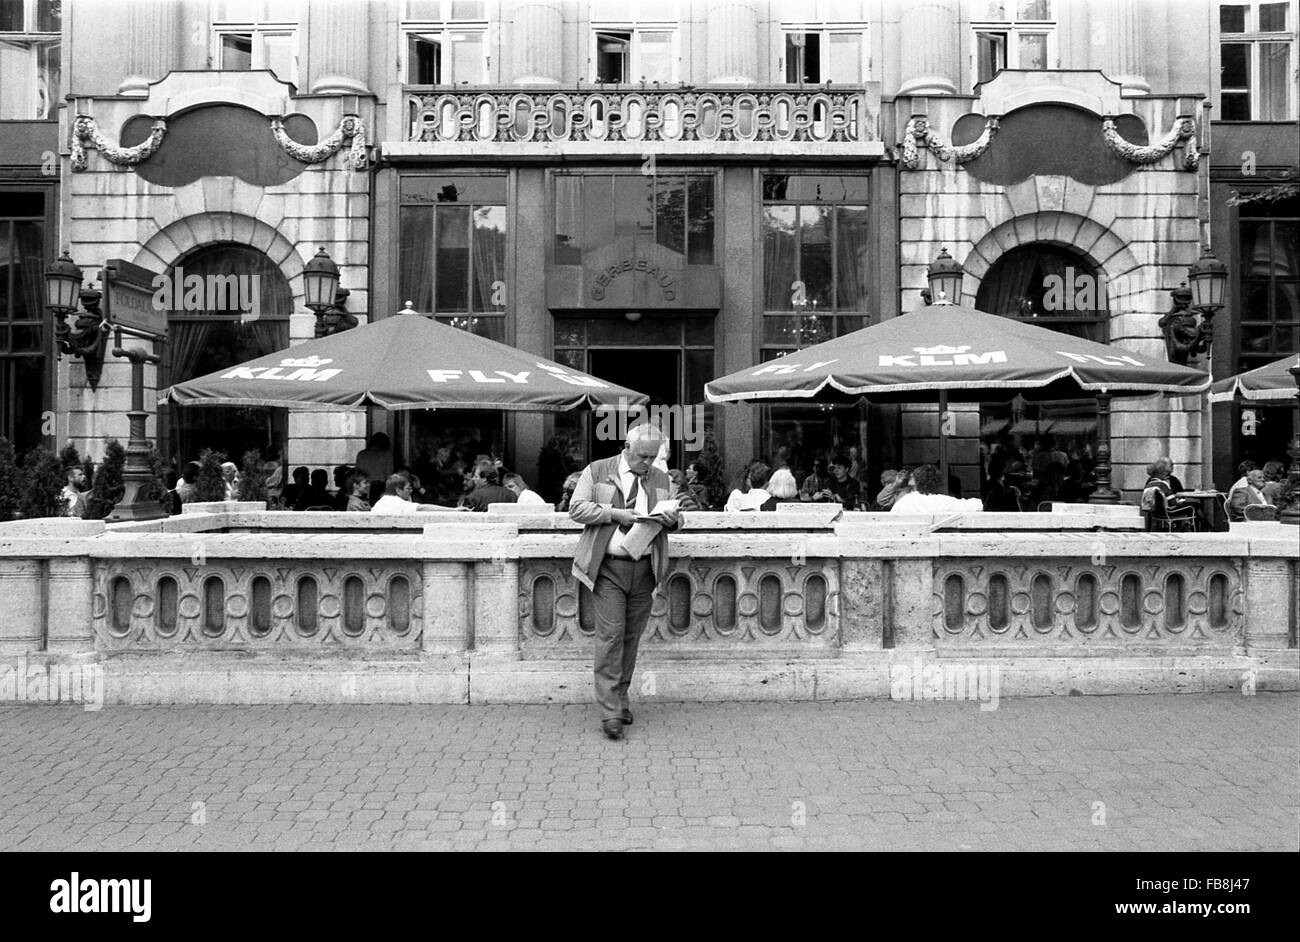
230,304
1053,287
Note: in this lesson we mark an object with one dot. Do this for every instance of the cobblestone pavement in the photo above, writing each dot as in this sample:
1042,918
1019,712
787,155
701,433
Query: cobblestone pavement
1203,772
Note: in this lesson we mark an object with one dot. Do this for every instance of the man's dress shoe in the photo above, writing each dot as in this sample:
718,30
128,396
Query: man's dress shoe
613,728
627,717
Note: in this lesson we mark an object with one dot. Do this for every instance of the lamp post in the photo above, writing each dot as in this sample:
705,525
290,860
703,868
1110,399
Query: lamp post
1208,280
944,276
87,338
140,489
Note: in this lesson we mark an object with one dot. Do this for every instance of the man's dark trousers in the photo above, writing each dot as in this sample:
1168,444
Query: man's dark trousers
624,594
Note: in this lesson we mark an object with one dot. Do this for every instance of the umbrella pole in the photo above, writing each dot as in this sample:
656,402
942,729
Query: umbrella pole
943,441
1290,499
1104,493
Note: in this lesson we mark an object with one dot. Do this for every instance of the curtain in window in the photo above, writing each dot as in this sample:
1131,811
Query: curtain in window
186,342
851,262
568,220
489,247
29,244
780,262
415,254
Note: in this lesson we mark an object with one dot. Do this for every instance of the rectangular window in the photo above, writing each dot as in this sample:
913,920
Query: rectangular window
816,262
631,54
30,59
1269,241
815,53
23,318
446,42
1257,62
1027,41
675,211
452,253
253,35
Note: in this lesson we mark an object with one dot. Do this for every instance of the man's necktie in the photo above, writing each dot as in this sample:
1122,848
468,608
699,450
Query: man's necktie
631,502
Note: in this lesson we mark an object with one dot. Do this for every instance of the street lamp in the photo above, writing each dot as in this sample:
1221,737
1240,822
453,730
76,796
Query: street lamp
86,338
945,276
324,296
1209,280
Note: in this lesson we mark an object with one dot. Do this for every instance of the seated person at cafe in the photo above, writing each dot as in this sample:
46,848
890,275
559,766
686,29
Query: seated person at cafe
1246,493
488,490
817,486
1159,479
998,494
680,491
296,489
926,499
317,495
523,493
757,497
846,490
1275,481
1049,486
397,498
358,492
782,485
894,486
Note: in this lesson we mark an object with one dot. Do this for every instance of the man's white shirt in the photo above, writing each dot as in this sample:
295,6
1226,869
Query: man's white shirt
918,503
392,504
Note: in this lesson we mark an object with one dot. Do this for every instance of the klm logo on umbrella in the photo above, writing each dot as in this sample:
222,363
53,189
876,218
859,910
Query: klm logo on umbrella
943,355
305,370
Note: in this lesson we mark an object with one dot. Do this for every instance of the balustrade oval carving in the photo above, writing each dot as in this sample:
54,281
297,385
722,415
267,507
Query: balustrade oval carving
120,606
166,615
214,606
259,622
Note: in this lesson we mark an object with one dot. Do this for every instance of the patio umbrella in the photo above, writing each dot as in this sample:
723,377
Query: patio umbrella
968,354
950,352
403,362
1271,382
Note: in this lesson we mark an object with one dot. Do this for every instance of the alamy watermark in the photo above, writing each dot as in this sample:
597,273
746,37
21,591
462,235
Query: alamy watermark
52,683
678,422
211,294
917,681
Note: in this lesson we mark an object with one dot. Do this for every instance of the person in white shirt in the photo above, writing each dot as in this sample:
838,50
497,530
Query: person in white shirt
230,474
73,495
757,497
397,498
523,493
925,498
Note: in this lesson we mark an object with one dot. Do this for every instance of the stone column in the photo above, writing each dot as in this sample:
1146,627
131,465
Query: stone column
71,629
929,47
731,38
153,43
496,607
1270,603
1117,34
338,33
535,43
446,606
20,587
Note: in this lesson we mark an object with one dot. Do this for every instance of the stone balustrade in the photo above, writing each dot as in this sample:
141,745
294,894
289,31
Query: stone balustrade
610,115
806,602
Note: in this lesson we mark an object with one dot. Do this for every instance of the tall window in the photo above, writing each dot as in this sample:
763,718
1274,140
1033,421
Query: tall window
29,59
22,317
1270,282
1257,80
823,41
675,211
816,265
446,42
257,34
1013,34
816,285
453,250
634,42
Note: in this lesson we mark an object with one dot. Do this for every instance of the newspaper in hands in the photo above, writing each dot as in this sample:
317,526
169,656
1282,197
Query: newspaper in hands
646,528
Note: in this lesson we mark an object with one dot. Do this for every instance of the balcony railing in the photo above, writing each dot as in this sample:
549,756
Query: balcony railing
685,114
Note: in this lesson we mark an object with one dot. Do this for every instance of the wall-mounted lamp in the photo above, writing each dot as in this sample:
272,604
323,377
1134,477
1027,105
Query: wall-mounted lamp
87,337
945,276
322,294
1187,335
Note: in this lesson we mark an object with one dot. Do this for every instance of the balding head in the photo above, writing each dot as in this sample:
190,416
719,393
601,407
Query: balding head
642,447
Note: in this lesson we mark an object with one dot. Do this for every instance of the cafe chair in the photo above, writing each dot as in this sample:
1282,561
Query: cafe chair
1164,518
1255,512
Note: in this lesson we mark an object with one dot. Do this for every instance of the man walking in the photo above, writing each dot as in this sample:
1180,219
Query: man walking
609,496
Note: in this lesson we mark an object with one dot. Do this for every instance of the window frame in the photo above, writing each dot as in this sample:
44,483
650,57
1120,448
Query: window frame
1010,29
441,30
35,42
467,319
260,28
636,27
1253,38
1245,359
825,30
685,172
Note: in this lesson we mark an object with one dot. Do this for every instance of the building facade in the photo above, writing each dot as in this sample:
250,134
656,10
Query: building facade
665,192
